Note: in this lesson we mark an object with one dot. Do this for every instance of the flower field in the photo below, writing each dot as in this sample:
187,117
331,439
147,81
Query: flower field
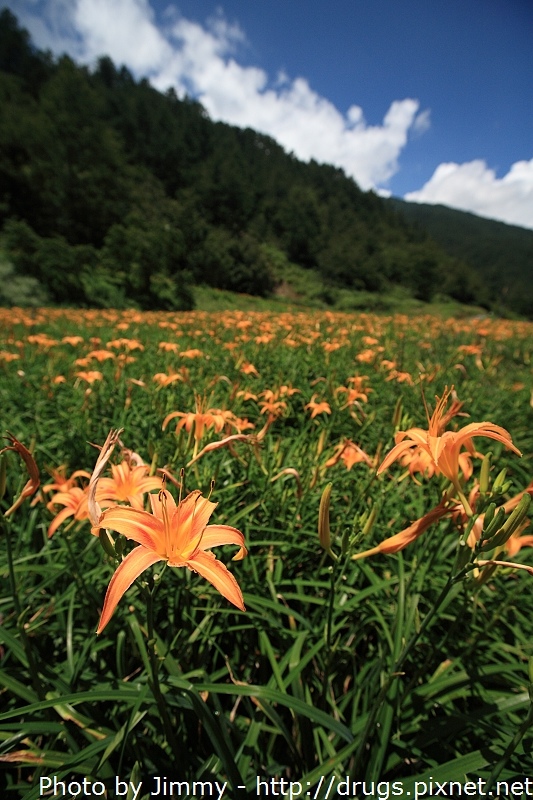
279,553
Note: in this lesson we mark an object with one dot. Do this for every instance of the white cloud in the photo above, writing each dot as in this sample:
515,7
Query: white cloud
49,24
124,29
474,187
290,111
422,122
200,60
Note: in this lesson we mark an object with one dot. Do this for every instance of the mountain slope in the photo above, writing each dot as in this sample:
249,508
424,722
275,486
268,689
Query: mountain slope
112,193
501,254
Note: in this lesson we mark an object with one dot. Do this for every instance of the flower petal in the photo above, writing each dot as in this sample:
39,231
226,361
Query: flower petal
216,535
140,526
133,565
201,509
397,451
60,517
216,573
173,415
491,431
400,540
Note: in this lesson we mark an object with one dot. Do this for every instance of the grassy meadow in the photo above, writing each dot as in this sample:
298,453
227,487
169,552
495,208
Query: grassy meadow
409,665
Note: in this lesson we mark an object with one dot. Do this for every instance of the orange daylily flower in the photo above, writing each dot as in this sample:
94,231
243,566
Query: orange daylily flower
274,408
191,353
444,447
128,344
100,355
400,377
60,481
248,368
91,376
199,420
318,407
72,340
351,454
169,347
6,356
165,380
42,340
353,394
287,389
367,356
419,460
128,484
175,533
75,501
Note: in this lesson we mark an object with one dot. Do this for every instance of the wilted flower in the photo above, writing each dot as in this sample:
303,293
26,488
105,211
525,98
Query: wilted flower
33,484
400,540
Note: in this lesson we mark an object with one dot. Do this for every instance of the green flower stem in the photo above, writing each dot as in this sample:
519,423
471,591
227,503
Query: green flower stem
462,497
32,666
327,630
154,682
89,592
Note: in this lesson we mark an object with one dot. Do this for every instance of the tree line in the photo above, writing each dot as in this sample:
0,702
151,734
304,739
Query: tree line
115,194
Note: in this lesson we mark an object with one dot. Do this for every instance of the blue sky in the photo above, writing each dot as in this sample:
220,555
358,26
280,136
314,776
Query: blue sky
432,101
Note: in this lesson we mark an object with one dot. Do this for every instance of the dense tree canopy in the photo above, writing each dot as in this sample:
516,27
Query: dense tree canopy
112,193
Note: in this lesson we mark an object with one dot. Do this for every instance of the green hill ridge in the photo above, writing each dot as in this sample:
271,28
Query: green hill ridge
114,194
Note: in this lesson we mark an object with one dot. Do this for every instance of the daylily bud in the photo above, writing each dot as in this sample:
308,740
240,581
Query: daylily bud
397,415
95,512
321,442
517,517
495,524
498,483
484,474
345,541
489,514
510,525
119,547
369,524
107,542
323,519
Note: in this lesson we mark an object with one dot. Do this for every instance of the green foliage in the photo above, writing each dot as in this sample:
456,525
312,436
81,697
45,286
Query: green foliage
491,260
52,261
382,669
18,57
18,290
159,195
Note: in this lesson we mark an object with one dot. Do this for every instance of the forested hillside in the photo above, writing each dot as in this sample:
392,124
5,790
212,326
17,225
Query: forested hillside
113,194
502,255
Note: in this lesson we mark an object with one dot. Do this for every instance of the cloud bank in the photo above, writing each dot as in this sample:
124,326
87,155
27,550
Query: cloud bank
474,187
202,61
